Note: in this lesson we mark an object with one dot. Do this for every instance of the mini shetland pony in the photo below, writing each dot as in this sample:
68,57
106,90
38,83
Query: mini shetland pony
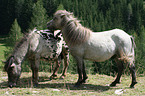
95,46
35,46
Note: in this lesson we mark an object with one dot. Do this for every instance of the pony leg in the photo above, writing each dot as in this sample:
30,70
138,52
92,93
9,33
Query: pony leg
51,66
84,74
80,67
66,63
132,71
35,69
120,70
56,68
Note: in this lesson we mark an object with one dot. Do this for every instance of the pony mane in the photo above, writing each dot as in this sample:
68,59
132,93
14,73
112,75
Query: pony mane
24,39
16,48
73,32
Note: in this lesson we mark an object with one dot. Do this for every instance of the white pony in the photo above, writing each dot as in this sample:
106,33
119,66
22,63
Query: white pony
95,46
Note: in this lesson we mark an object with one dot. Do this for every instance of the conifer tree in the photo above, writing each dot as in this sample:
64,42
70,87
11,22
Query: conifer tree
50,6
142,40
60,7
18,8
26,13
39,17
7,15
14,35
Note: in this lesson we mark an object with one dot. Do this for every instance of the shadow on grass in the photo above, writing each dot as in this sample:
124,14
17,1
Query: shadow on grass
60,84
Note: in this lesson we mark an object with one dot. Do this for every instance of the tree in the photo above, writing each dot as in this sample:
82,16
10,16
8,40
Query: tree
50,6
60,7
14,35
140,51
18,8
26,14
7,15
39,17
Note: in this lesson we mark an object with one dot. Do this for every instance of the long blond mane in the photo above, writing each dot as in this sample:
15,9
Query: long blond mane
73,32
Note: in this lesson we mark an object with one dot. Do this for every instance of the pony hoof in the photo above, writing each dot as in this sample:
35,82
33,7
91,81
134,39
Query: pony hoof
61,77
53,77
35,85
113,84
132,85
49,79
84,80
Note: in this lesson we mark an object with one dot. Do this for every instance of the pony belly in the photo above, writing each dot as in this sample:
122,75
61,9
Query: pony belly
100,58
101,53
51,53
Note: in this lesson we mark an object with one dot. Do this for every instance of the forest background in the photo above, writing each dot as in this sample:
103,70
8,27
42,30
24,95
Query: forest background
18,16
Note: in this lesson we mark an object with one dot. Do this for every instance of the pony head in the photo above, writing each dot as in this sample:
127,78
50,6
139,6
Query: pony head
58,20
73,32
13,69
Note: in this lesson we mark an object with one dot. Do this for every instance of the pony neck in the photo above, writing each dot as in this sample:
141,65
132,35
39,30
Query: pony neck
73,32
20,55
21,50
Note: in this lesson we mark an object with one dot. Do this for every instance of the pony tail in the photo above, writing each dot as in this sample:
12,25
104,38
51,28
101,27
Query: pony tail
132,38
133,46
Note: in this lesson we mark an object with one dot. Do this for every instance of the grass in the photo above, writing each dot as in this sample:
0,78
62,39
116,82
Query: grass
2,49
97,85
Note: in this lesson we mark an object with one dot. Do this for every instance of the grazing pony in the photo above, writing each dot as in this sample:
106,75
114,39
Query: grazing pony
95,46
34,46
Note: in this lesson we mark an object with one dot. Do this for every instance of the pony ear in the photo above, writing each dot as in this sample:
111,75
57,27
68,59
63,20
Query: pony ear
13,65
